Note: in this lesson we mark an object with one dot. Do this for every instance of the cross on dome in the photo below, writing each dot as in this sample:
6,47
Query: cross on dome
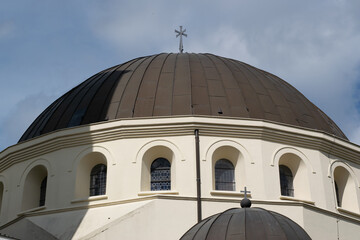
245,202
181,33
245,192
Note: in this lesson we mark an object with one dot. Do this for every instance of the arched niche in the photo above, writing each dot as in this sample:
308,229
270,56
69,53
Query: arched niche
345,186
33,189
233,155
43,162
149,156
209,151
83,171
100,149
275,159
300,168
158,142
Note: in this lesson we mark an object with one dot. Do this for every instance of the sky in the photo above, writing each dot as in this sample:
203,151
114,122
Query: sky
48,47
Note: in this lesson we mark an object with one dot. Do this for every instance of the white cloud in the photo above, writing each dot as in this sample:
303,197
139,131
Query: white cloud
225,41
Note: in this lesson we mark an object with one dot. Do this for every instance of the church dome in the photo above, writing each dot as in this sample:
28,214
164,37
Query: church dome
182,84
246,224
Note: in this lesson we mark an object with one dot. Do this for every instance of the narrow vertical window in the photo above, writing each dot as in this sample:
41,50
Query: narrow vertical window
286,181
1,195
160,175
224,175
337,195
43,192
98,180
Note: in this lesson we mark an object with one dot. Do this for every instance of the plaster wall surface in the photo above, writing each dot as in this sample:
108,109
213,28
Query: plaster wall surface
129,147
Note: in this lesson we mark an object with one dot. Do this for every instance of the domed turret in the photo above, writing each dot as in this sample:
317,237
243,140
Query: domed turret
246,224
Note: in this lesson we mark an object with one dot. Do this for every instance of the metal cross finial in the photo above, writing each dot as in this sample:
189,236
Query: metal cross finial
245,192
245,202
181,33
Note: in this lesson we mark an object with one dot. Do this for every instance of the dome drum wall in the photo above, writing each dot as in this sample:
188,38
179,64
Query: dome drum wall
184,84
130,146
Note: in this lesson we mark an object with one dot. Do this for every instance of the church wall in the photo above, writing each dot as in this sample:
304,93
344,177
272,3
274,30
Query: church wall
128,158
322,225
322,186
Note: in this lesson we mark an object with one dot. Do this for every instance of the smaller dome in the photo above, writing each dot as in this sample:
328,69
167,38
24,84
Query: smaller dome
245,224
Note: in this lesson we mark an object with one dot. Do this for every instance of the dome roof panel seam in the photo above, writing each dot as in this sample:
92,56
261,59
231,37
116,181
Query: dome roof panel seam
111,79
120,87
122,102
111,95
67,99
222,109
143,89
73,115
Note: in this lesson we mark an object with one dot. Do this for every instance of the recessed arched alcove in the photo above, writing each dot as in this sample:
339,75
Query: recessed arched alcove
149,157
300,174
234,156
35,184
345,189
83,172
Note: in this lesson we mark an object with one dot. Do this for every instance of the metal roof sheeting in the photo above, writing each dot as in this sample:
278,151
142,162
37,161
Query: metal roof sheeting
246,224
174,84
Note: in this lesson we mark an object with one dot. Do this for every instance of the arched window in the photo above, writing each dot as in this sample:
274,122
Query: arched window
43,192
224,175
286,181
160,175
98,180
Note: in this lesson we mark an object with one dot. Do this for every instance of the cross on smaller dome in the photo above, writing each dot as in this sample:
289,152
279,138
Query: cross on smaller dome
245,202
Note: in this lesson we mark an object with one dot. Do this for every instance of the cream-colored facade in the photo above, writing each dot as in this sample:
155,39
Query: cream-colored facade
129,210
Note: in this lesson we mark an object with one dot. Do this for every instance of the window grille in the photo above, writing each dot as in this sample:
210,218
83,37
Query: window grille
160,175
43,192
286,181
224,175
98,180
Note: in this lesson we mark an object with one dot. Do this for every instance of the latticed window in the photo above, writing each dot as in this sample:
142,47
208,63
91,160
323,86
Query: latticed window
286,181
160,175
224,175
98,180
43,192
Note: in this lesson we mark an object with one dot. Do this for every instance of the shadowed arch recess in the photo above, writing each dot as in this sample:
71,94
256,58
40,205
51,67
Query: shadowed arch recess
182,84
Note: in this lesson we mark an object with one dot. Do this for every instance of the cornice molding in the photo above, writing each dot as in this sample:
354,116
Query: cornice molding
179,126
355,218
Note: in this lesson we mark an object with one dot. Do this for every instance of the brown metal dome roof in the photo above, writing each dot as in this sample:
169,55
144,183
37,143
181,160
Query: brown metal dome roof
171,84
246,224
